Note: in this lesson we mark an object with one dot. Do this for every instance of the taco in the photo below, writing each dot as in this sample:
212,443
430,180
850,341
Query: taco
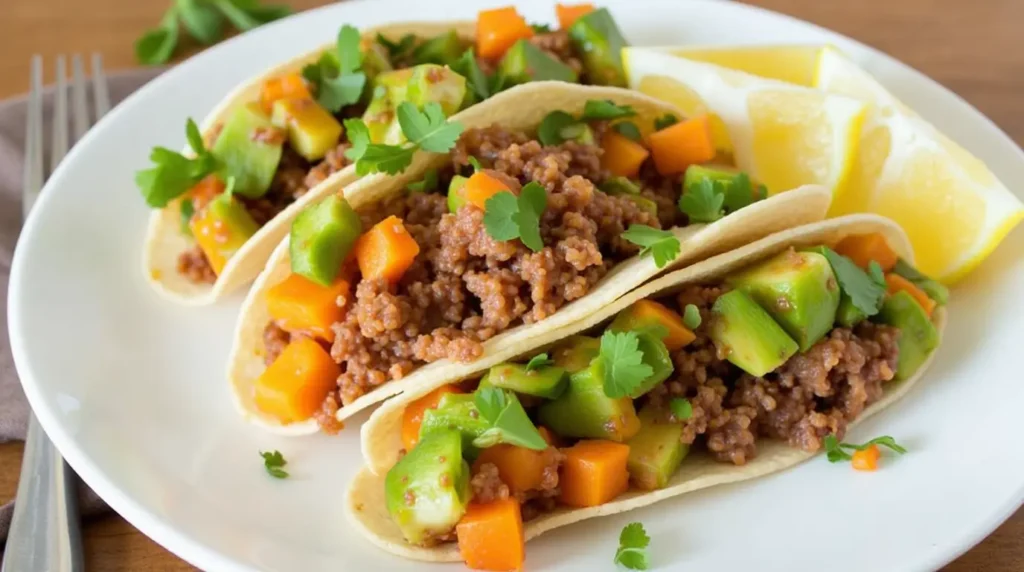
738,366
541,213
280,141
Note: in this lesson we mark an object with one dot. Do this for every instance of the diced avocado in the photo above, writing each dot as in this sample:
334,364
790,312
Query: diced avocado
438,84
322,235
456,196
547,381
848,315
441,50
749,336
697,173
932,288
250,148
578,132
455,411
379,115
656,451
525,62
798,289
221,228
312,130
576,353
375,59
620,186
427,491
584,411
597,38
918,335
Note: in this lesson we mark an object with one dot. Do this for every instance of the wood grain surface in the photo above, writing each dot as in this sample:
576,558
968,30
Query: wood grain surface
971,47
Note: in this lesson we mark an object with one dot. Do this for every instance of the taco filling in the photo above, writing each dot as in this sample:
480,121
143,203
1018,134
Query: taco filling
514,226
268,152
792,348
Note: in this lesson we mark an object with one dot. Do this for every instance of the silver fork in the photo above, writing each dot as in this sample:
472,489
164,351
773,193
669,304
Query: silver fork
45,534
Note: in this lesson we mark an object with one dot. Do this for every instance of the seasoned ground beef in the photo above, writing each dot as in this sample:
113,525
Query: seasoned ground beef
465,287
334,161
486,484
814,394
558,46
664,191
194,265
275,338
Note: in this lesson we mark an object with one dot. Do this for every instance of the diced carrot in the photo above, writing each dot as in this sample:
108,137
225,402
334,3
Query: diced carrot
866,459
491,536
520,468
204,191
894,283
293,388
622,156
482,186
686,143
386,251
498,29
298,304
568,13
678,334
291,86
863,248
412,417
593,473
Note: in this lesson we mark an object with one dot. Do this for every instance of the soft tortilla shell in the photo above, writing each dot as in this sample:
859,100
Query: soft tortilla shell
164,240
365,504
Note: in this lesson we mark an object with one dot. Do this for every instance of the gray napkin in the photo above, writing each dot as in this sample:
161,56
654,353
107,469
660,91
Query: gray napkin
13,114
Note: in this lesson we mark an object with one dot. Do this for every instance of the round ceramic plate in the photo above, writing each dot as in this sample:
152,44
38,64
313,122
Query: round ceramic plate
132,388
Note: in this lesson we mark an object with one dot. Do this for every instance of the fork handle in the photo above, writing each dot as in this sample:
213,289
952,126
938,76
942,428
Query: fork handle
45,534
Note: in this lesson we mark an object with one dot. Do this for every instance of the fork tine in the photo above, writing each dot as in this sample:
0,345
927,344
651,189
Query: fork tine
79,112
59,144
32,176
101,97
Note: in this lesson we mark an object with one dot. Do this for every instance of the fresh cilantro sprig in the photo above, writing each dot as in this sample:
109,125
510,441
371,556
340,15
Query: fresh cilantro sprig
336,76
507,217
427,184
560,126
691,317
835,451
173,174
540,28
741,192
866,291
427,129
508,422
623,363
538,361
204,21
661,244
710,200
681,408
632,551
552,129
399,49
476,79
667,120
628,129
598,109
273,461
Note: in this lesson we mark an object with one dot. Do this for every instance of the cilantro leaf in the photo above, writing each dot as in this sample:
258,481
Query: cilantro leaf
194,137
876,274
632,551
273,463
350,57
498,213
337,91
508,420
173,174
691,317
865,293
662,244
738,193
358,136
605,109
835,450
623,363
498,81
380,158
551,127
428,128
538,361
628,129
507,217
477,167
397,49
681,408
467,67
335,75
667,120
427,184
540,28
703,202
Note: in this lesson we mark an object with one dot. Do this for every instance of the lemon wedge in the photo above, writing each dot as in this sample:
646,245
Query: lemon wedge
796,64
784,135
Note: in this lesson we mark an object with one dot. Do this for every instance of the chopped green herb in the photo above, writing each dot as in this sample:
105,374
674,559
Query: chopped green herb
498,211
691,317
835,450
427,184
667,120
497,81
507,217
273,463
632,551
538,361
620,186
380,158
507,419
876,274
662,244
738,193
467,67
681,408
605,109
540,28
628,129
336,77
428,129
932,288
550,131
173,174
397,49
358,137
623,363
704,201
187,210
866,293
425,129
477,167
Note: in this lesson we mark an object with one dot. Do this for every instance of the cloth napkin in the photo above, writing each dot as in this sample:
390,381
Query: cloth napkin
14,408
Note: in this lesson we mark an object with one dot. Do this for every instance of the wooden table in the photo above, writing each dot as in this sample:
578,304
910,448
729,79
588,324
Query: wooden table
971,47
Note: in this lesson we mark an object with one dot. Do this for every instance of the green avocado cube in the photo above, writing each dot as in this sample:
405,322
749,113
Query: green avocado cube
455,411
322,235
584,411
525,62
656,451
547,382
456,193
747,335
597,38
576,353
918,335
249,147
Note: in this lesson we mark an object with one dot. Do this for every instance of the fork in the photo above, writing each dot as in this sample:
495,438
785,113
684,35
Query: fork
45,534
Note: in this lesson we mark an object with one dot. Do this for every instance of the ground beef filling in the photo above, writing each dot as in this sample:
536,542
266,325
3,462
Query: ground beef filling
814,394
465,287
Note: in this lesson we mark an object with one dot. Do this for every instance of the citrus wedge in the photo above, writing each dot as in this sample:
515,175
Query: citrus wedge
784,135
837,73
796,64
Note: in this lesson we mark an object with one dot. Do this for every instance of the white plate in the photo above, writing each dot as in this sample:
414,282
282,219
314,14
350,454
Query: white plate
132,388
